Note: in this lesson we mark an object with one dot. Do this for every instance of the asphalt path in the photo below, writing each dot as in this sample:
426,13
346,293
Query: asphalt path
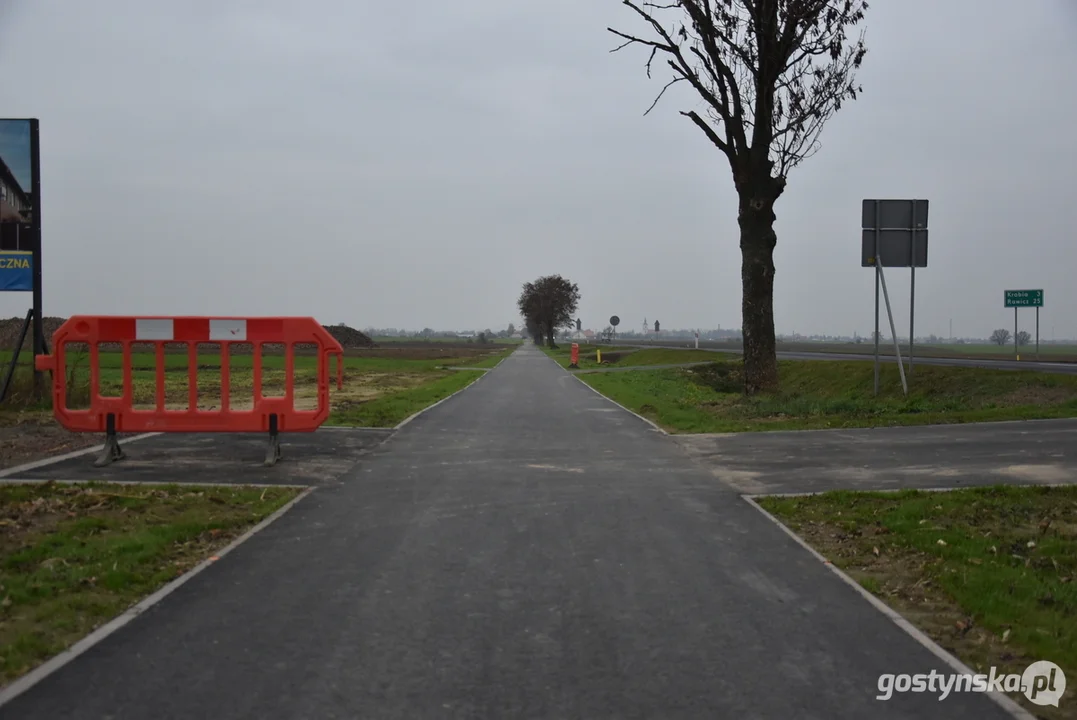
1025,452
990,364
526,549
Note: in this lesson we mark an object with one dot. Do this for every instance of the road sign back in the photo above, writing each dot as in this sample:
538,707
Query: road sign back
896,231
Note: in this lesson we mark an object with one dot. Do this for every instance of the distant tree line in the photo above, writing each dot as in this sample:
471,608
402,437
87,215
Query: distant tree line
482,336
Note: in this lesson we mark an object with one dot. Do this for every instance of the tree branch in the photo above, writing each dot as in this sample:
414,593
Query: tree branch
708,131
770,72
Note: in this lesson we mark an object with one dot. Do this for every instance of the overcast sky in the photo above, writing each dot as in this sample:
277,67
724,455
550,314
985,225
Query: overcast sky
412,164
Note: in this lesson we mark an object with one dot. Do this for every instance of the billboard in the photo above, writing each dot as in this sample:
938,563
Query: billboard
17,207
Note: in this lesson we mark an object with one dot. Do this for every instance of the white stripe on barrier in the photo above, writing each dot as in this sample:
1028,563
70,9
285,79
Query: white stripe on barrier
228,330
153,329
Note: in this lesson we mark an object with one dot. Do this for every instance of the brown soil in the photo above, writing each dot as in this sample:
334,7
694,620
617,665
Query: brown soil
1037,395
349,337
25,437
9,332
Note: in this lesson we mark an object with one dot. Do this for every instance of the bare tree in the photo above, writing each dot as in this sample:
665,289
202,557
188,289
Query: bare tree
770,73
1023,338
1000,337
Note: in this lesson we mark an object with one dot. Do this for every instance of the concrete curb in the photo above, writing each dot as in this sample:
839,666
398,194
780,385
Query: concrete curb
162,483
809,493
386,430
956,665
67,456
27,681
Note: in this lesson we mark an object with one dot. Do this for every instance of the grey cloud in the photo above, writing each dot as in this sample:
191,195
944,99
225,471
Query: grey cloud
403,164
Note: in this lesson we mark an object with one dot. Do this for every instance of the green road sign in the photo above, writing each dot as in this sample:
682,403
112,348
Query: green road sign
1024,298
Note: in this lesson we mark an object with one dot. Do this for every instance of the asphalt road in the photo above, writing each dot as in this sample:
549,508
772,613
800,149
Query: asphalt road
991,364
524,550
1029,452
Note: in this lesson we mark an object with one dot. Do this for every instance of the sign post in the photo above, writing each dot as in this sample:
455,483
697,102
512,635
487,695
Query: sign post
894,234
1024,298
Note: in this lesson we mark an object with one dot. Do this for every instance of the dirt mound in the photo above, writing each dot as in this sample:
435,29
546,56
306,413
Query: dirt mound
9,332
348,337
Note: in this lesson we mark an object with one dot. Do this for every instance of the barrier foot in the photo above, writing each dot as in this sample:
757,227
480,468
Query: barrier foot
273,452
112,450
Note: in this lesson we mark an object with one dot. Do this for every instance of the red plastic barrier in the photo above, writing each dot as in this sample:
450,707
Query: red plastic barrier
113,415
575,355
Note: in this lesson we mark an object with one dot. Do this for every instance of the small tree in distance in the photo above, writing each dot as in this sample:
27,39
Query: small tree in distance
548,304
1023,338
1000,337
770,74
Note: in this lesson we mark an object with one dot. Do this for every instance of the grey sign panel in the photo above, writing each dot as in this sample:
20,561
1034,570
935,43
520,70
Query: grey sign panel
895,248
893,214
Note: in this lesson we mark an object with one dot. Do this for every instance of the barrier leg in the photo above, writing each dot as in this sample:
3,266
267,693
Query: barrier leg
112,450
273,453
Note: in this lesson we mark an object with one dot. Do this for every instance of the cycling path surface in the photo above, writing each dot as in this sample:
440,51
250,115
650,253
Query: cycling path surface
525,549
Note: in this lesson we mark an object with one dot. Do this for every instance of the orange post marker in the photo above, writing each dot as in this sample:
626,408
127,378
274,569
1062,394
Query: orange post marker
575,355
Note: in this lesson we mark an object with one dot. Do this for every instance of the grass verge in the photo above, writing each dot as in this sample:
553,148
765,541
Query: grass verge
389,410
72,557
817,394
491,361
990,574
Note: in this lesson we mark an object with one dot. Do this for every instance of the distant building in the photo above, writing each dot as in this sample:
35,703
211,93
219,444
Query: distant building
14,202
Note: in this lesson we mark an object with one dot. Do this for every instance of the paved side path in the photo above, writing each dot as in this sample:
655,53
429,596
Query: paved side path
524,550
1027,452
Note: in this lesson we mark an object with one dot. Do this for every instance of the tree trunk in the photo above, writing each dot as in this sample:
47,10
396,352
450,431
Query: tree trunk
757,241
